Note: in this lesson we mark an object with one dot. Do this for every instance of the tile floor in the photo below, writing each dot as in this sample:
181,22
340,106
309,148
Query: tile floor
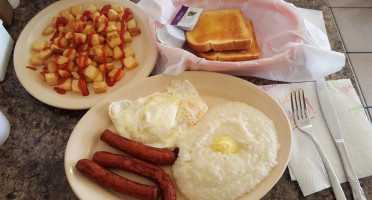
354,21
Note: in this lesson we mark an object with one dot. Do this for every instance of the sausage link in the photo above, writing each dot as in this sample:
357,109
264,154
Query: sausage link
117,183
143,152
139,167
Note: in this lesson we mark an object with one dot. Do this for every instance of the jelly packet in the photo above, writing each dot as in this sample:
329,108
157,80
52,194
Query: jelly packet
186,18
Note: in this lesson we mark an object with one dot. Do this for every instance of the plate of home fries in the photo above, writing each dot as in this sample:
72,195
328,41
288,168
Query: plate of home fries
237,146
73,53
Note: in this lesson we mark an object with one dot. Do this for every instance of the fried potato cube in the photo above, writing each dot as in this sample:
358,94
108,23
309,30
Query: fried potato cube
75,10
127,37
91,8
48,30
51,78
117,53
66,84
64,73
65,13
117,8
56,49
132,25
60,60
36,59
95,39
49,59
39,45
135,32
80,38
75,86
101,59
101,28
99,77
98,49
106,68
113,39
75,74
91,72
70,53
95,14
46,53
83,61
129,52
88,29
116,74
112,15
70,18
130,62
99,87
52,67
101,39
111,28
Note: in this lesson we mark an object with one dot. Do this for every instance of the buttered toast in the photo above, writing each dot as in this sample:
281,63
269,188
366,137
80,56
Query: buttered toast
251,53
219,30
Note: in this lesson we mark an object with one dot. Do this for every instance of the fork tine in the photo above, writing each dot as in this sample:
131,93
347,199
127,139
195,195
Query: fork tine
304,103
292,105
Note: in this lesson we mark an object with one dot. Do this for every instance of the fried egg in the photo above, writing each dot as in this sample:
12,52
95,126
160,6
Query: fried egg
224,156
158,119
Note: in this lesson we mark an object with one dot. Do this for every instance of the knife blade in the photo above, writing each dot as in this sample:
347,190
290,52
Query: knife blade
333,123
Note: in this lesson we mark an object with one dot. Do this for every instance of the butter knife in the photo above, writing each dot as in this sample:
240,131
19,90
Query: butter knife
331,118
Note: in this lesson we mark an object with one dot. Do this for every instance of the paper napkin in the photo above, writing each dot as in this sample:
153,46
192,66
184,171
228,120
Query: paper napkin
305,165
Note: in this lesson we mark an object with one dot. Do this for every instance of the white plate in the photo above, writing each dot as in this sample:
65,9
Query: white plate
143,46
213,87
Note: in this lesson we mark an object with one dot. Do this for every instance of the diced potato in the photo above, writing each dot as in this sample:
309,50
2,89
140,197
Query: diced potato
99,77
75,74
56,49
101,39
91,8
116,74
49,60
117,53
127,37
132,24
112,15
135,32
99,87
39,45
110,28
105,68
60,41
101,28
60,60
52,67
83,61
91,72
95,40
76,10
64,73
117,8
48,30
129,52
66,84
65,13
46,53
113,39
75,86
36,59
70,18
51,78
87,29
99,51
130,62
101,60
70,53
80,38
95,14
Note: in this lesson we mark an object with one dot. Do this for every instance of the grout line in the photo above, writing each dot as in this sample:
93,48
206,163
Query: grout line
352,69
369,7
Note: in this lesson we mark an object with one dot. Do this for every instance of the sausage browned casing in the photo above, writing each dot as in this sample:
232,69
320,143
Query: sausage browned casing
143,152
119,184
133,165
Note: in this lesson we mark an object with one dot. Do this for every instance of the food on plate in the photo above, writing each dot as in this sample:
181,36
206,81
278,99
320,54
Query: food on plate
139,167
86,46
159,118
219,30
116,182
231,150
143,152
251,52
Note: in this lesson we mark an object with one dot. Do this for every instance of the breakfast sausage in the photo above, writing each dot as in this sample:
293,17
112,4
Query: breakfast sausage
139,167
143,152
119,184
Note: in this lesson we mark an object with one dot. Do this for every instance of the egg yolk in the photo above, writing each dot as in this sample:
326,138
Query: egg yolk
224,144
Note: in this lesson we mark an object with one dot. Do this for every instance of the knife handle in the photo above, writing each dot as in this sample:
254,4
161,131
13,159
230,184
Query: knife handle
358,193
337,189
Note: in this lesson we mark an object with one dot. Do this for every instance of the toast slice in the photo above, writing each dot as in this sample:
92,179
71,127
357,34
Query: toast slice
219,30
251,53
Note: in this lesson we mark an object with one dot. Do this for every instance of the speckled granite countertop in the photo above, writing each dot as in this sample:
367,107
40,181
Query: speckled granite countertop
32,159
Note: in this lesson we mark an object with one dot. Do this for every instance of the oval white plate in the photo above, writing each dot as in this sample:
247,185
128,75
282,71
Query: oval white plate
213,87
143,46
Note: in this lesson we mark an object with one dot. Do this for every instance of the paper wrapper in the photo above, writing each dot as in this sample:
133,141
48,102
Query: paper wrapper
292,48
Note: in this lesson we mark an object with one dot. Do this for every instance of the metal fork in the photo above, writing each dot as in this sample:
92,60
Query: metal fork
303,123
